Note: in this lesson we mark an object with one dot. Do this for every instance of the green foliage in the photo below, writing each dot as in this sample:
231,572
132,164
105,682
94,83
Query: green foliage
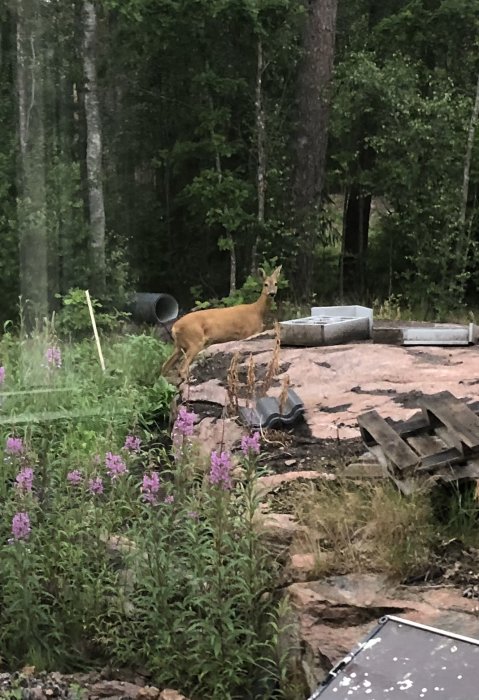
221,200
131,574
413,123
202,585
74,316
248,292
178,82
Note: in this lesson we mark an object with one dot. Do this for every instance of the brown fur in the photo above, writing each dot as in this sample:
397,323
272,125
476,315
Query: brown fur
196,330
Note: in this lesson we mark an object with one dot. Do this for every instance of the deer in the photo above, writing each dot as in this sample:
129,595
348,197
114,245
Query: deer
198,329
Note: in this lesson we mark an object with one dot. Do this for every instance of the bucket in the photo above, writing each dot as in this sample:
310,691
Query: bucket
148,307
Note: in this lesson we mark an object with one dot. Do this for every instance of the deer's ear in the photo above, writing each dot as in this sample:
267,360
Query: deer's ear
277,271
262,273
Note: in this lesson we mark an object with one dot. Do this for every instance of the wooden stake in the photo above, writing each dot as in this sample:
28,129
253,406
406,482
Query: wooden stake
95,331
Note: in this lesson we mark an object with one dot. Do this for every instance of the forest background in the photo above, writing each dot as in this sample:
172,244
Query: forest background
176,145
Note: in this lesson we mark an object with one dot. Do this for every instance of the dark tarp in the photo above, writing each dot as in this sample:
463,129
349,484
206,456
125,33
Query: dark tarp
402,660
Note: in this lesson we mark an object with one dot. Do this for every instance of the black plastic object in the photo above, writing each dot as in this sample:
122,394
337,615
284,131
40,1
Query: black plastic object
148,307
401,659
267,412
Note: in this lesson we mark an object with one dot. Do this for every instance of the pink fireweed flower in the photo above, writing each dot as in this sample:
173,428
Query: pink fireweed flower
193,514
185,421
21,526
169,499
132,443
53,357
250,444
115,465
150,486
24,479
220,471
14,446
75,477
95,485
2,374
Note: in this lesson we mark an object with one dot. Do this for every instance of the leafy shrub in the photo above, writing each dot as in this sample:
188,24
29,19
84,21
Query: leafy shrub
247,293
74,316
111,550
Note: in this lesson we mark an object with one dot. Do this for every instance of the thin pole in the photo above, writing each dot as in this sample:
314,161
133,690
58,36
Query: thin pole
95,331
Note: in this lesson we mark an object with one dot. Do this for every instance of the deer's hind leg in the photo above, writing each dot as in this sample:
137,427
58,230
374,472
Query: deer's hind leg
174,357
191,348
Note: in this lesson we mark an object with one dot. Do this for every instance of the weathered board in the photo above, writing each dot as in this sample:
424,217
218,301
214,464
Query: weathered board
441,441
445,409
375,431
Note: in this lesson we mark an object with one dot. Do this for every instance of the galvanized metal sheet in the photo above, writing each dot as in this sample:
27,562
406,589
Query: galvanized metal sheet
324,330
433,335
402,660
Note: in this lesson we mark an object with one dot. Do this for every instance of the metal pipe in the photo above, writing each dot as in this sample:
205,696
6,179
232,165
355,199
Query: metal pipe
148,307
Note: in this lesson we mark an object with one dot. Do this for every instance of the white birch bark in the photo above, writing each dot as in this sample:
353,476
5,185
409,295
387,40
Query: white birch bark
94,151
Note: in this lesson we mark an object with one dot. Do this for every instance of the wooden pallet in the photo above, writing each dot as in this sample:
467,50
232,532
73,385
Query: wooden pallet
441,440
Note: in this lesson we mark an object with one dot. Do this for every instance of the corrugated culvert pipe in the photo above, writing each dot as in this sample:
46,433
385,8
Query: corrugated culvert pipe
149,307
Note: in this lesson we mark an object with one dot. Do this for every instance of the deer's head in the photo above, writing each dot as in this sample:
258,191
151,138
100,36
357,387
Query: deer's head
270,282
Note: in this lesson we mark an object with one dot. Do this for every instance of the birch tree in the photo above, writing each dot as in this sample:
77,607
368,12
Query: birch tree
31,201
94,168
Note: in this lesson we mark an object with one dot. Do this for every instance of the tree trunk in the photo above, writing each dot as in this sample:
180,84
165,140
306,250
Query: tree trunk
356,230
31,172
463,235
229,236
261,146
94,152
312,136
232,249
467,160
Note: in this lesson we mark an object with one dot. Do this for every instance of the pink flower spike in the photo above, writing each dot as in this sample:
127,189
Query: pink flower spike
24,479
53,356
14,446
21,526
115,465
150,486
220,472
132,443
95,485
250,444
185,421
75,477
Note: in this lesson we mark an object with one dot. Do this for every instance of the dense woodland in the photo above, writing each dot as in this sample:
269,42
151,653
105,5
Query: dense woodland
175,145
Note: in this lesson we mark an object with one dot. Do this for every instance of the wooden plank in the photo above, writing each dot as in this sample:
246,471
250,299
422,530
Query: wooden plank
454,415
466,471
440,459
426,445
375,430
419,423
416,425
